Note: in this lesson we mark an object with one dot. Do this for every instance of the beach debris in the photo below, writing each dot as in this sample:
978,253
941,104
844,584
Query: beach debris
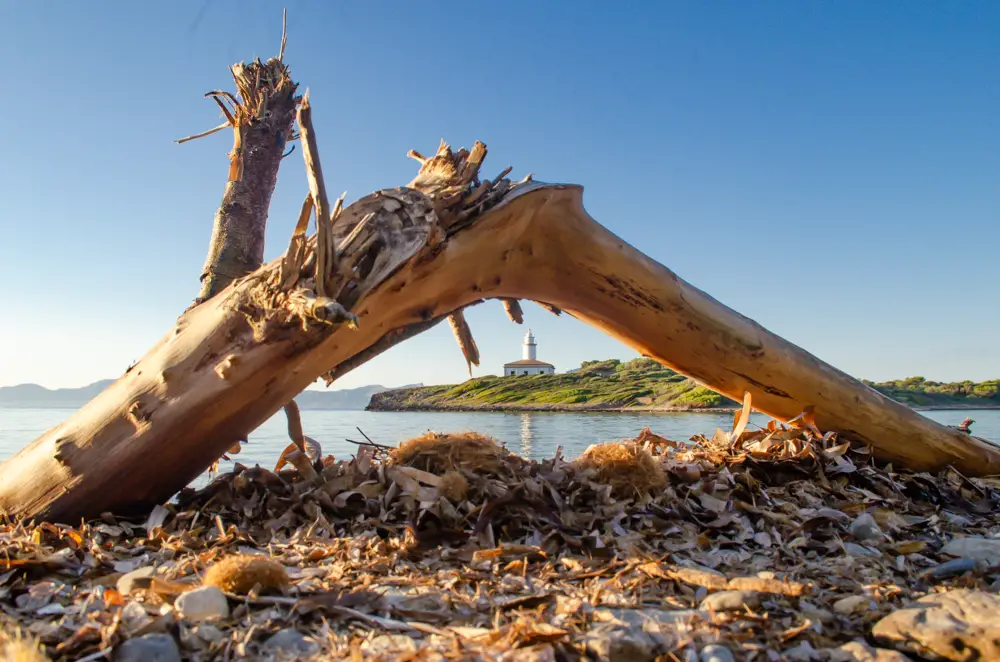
440,453
450,542
19,646
241,573
453,486
627,467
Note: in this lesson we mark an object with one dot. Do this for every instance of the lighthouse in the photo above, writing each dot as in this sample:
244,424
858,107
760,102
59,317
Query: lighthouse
529,349
529,363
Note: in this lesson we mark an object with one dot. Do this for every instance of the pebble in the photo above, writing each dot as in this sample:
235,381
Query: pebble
203,604
850,604
621,645
975,548
730,600
716,653
951,568
865,528
150,648
957,625
647,618
126,583
291,642
855,549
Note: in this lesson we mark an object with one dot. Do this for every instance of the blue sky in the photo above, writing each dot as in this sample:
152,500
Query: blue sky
831,170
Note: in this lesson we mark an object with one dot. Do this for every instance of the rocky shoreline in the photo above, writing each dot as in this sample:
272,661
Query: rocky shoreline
514,408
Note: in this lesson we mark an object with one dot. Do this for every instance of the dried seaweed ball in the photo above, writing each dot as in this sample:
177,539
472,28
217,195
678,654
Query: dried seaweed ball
441,453
15,646
628,468
240,573
453,486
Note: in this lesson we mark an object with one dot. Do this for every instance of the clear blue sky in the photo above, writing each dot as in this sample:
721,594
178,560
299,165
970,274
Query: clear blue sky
830,169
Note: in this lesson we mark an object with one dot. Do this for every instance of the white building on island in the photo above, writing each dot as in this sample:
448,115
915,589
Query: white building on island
529,364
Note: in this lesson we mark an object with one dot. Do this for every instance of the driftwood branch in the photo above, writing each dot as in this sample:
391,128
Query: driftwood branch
407,258
261,120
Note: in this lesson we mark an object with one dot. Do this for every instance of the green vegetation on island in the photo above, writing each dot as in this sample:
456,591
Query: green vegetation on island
640,384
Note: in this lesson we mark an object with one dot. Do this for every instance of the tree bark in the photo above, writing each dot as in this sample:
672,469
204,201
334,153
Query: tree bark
406,259
262,122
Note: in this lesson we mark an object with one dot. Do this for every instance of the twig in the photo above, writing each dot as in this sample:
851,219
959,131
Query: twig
369,443
95,656
205,133
314,173
358,428
284,33
295,425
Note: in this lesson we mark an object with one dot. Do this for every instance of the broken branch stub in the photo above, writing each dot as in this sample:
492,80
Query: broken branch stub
232,362
262,122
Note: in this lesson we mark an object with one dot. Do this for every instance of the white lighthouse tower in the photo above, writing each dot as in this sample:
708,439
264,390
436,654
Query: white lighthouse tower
528,350
529,363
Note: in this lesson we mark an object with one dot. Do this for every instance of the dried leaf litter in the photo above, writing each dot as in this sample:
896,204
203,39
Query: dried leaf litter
780,543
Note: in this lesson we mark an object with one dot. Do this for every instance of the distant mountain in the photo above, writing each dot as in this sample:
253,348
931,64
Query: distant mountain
33,396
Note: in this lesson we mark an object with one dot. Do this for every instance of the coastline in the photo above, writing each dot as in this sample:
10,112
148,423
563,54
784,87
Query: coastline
513,409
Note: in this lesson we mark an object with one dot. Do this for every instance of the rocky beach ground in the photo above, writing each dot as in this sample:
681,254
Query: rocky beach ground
778,544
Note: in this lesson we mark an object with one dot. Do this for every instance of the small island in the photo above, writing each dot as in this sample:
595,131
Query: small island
640,385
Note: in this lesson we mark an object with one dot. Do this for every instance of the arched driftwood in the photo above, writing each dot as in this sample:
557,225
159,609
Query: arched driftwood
395,263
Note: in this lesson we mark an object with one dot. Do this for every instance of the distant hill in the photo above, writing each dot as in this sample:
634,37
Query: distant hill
33,396
636,385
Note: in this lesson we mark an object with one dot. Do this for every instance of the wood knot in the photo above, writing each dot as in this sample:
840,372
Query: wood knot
141,411
224,368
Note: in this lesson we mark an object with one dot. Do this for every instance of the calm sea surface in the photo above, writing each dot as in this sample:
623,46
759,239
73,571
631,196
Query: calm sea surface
533,435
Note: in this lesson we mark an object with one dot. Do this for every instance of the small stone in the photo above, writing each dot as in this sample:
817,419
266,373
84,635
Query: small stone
814,613
731,600
804,652
865,528
209,633
859,651
855,549
203,604
649,619
621,645
150,648
389,644
975,548
952,568
850,604
958,625
716,653
127,582
134,617
291,642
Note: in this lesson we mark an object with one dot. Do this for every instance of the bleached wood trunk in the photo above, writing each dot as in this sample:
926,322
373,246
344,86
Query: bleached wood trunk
404,260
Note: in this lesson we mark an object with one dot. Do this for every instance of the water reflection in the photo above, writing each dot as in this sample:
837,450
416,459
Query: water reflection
527,436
